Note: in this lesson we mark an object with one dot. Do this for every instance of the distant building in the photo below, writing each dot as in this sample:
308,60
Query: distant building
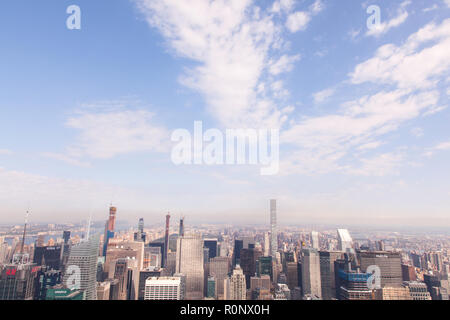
327,273
219,267
164,288
311,283
417,290
103,290
17,282
408,273
211,244
189,261
345,241
389,264
235,286
390,293
83,259
273,228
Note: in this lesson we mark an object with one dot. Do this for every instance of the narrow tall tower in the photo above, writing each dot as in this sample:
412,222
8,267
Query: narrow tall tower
109,228
166,239
112,218
273,228
181,232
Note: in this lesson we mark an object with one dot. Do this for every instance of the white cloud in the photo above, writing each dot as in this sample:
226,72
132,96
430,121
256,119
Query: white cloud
282,6
284,64
233,42
415,64
298,21
442,146
370,145
66,158
417,132
432,8
5,152
104,135
323,95
380,165
108,129
447,2
317,7
324,142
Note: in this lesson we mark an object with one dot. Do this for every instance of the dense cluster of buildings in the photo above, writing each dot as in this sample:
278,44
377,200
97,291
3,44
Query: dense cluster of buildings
221,264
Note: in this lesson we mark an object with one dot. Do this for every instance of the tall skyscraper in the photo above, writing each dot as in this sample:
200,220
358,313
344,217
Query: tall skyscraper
235,286
273,228
266,244
327,273
181,231
189,261
140,234
219,267
311,283
83,260
315,240
109,228
166,238
345,241
211,244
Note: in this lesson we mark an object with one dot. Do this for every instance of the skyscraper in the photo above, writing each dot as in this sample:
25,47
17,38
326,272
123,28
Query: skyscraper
81,271
311,283
189,262
166,238
140,234
389,264
219,267
315,240
345,241
164,288
181,231
327,273
211,244
235,286
273,227
109,228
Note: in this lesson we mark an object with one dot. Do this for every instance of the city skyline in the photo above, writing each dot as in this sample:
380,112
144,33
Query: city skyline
86,116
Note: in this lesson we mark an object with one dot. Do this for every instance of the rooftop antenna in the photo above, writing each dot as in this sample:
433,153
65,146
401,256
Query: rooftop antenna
25,229
89,225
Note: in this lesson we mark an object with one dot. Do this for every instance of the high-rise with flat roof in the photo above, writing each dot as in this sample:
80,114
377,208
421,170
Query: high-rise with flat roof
189,261
345,241
83,259
164,288
311,283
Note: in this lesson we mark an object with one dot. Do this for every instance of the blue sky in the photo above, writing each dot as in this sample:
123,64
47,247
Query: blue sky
86,115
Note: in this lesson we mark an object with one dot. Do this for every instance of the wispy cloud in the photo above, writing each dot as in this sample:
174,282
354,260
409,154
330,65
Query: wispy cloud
323,95
110,129
236,44
5,152
298,21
